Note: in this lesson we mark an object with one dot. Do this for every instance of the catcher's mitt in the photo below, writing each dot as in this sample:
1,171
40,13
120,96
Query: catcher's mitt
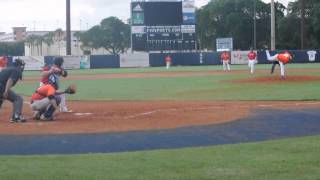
72,89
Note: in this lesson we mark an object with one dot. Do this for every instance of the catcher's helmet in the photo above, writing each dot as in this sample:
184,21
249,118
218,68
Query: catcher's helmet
58,61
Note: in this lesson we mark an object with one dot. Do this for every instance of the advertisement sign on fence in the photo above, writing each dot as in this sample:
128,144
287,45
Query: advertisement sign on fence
312,55
72,62
239,57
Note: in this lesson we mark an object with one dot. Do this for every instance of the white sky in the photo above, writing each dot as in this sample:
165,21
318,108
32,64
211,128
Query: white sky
50,14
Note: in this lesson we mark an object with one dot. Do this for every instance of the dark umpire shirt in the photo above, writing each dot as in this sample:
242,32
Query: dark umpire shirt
12,72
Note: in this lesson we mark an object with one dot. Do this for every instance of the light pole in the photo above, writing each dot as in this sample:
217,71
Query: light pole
254,24
68,29
302,10
273,31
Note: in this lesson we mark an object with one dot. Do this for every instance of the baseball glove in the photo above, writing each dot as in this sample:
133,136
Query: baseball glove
72,89
64,73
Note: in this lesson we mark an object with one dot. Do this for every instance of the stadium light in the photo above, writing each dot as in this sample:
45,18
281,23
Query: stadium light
68,27
254,24
302,24
273,31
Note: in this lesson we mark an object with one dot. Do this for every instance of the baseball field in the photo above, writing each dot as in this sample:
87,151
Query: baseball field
182,123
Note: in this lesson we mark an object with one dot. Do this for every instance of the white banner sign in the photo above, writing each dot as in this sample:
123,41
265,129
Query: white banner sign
188,7
138,29
188,28
72,62
240,57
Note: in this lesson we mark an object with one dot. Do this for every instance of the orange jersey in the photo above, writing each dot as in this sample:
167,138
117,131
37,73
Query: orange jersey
252,55
3,62
43,92
225,56
284,57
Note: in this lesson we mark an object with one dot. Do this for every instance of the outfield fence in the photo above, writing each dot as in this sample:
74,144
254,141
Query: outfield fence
157,59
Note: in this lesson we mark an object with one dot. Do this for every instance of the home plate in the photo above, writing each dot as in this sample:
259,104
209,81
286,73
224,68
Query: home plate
82,114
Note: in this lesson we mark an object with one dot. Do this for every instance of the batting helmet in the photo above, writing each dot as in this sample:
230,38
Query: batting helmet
58,61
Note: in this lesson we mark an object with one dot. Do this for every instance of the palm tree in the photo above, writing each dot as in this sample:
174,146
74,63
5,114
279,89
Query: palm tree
78,35
31,41
39,41
48,39
59,36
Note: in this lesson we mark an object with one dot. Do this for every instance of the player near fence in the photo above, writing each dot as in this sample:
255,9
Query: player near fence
8,79
252,56
168,61
46,99
57,69
225,58
282,59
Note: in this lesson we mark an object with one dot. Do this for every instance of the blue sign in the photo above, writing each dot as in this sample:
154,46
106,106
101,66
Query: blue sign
189,18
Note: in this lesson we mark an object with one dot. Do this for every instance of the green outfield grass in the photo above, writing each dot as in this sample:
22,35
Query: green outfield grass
289,159
213,87
174,68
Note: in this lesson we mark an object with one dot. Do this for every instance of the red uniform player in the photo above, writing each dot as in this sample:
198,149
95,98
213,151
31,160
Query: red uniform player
3,62
225,58
252,56
168,61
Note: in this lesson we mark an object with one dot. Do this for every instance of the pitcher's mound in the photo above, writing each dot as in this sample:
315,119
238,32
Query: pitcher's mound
277,79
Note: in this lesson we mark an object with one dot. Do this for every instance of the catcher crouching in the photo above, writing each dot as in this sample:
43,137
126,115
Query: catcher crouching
45,101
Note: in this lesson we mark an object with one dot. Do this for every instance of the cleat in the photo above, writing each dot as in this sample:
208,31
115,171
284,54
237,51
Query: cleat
65,110
47,119
13,121
18,119
37,115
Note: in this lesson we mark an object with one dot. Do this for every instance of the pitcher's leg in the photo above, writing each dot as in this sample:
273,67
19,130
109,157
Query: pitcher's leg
271,58
282,70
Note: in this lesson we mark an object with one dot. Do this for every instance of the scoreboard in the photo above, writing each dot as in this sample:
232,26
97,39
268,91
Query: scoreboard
158,25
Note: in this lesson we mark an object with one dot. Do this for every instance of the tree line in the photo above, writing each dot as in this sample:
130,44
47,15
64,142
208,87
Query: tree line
11,48
235,18
217,19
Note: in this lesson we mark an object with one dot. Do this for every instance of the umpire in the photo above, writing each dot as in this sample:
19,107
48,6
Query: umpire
8,78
